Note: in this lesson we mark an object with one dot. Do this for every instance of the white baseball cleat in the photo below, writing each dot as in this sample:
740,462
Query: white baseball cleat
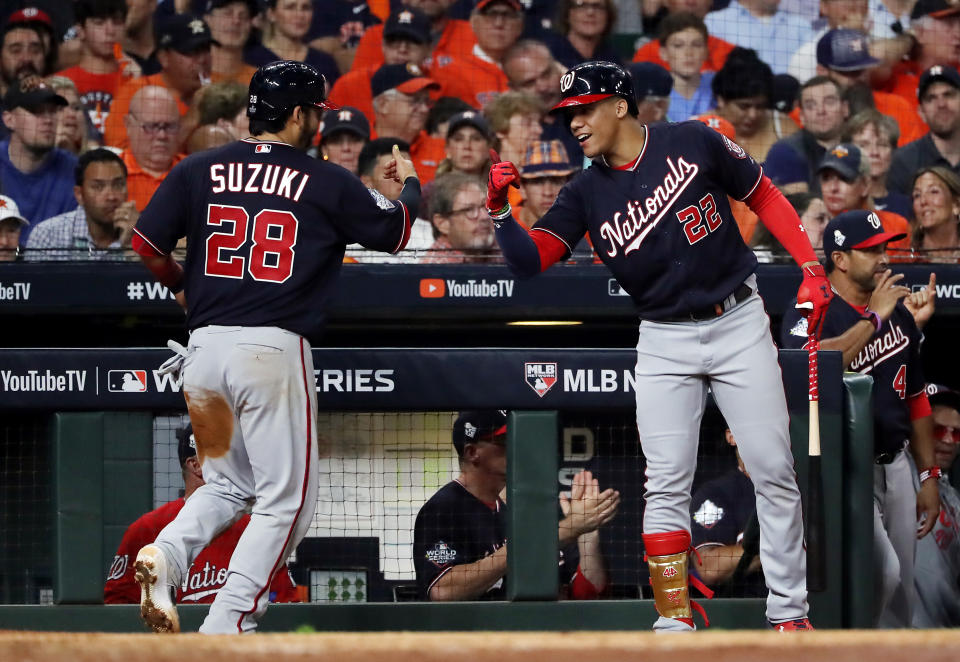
156,604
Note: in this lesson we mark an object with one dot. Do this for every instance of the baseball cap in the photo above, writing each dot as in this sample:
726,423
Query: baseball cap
938,394
468,118
348,119
546,158
30,15
650,80
183,33
408,78
844,158
718,124
31,93
934,8
9,209
253,5
479,425
843,49
786,89
186,443
856,229
482,4
937,73
408,23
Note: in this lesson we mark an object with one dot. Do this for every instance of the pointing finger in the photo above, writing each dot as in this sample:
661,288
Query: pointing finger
932,285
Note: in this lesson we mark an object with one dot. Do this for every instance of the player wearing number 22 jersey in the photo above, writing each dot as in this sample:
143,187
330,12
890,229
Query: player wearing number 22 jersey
266,229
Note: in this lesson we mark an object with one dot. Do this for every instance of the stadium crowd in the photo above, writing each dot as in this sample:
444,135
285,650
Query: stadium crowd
849,104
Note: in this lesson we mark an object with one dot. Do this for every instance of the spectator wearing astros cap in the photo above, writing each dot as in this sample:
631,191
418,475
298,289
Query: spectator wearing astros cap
406,40
937,566
343,133
401,102
469,140
208,573
479,77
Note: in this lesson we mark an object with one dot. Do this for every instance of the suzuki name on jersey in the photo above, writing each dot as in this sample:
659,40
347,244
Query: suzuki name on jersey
39,382
258,178
641,217
879,350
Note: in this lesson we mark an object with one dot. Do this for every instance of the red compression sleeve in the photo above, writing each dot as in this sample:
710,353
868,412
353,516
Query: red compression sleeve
163,267
919,405
551,249
781,219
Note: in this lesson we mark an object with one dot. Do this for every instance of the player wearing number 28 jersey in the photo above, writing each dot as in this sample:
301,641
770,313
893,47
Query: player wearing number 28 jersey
654,202
266,229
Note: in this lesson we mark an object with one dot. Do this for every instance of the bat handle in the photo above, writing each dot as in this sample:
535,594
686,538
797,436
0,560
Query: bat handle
813,393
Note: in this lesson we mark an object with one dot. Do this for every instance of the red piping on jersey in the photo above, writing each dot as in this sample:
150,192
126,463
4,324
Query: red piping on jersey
139,249
632,165
405,235
303,497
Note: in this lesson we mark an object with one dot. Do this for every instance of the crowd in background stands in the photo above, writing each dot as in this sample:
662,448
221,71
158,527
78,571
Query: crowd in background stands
847,103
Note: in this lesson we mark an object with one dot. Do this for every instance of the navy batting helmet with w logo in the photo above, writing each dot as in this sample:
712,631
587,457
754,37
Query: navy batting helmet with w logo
279,87
595,81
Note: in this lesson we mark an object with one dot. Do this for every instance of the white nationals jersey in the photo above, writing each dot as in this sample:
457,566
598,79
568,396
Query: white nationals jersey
663,225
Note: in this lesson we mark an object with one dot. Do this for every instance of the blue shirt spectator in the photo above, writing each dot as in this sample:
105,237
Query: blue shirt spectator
682,108
43,193
775,36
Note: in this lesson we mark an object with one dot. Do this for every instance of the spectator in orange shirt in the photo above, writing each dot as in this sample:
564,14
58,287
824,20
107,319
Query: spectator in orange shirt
845,184
717,49
406,40
478,78
401,102
843,57
230,23
153,125
935,24
543,172
97,76
183,50
450,38
343,133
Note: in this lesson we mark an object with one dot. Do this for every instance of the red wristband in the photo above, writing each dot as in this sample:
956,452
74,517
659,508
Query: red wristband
930,472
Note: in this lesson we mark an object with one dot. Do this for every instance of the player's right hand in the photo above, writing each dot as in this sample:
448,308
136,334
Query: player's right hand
813,297
886,294
400,168
503,175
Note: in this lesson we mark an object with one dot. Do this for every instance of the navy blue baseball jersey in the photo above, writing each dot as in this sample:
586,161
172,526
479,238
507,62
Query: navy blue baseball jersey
891,357
663,225
266,228
719,514
455,528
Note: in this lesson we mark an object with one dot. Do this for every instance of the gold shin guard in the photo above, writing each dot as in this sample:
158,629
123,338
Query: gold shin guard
668,575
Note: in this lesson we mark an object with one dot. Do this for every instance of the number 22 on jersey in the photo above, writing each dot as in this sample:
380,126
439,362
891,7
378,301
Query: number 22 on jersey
693,218
269,254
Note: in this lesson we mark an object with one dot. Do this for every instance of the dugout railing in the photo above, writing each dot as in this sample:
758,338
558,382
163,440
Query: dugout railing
101,453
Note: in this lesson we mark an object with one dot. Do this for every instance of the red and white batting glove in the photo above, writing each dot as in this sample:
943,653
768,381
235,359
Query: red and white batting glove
813,297
503,175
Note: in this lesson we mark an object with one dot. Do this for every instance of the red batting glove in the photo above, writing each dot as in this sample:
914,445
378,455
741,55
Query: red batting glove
813,297
503,175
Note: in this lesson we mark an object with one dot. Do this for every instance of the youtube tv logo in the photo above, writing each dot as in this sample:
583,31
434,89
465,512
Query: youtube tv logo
432,288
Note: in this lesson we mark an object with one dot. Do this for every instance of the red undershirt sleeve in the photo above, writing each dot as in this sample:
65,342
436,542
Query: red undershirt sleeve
919,405
163,267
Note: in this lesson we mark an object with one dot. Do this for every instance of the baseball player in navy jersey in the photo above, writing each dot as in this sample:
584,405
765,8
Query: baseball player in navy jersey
266,228
878,336
654,202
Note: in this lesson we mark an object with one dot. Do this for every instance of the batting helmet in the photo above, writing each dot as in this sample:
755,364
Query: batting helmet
595,81
279,87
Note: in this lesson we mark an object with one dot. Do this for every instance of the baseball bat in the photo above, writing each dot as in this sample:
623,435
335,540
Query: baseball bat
816,539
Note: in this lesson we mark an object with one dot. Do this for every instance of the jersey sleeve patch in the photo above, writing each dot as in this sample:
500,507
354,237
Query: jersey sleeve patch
800,328
442,555
733,147
708,514
382,201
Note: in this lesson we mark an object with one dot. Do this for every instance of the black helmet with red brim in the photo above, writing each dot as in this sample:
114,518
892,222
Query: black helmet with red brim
595,81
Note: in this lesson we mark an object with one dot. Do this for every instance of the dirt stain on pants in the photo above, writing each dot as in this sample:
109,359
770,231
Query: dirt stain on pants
212,421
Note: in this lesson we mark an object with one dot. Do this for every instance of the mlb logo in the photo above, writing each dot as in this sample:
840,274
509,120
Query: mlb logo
263,149
540,376
127,381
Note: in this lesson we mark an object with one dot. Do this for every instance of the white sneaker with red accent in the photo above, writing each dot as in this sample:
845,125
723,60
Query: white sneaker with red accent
156,604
